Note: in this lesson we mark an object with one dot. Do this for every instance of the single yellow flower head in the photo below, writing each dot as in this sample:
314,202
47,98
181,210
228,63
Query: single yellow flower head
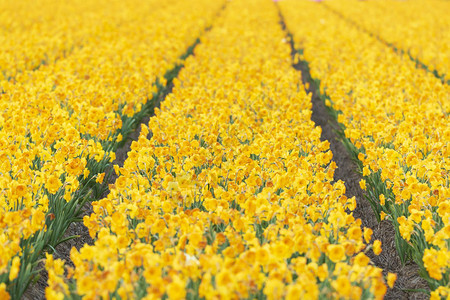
15,268
336,253
377,247
391,278
362,184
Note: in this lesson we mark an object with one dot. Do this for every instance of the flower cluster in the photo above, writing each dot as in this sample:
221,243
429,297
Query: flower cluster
40,32
395,119
228,192
419,27
59,122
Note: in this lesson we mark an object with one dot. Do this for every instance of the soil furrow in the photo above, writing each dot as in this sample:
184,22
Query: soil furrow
347,171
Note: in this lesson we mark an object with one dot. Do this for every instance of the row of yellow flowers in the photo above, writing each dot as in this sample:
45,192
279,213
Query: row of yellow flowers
115,73
228,193
60,123
419,27
33,33
395,119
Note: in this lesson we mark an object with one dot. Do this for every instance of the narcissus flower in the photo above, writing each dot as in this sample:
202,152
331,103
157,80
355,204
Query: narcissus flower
342,286
3,293
368,234
361,259
336,253
53,184
377,247
362,184
391,278
15,267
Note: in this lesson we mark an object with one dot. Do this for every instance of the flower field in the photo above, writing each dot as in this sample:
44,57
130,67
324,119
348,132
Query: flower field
404,159
425,38
229,191
61,123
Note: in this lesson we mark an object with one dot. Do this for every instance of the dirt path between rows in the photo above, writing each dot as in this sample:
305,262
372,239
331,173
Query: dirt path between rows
389,260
